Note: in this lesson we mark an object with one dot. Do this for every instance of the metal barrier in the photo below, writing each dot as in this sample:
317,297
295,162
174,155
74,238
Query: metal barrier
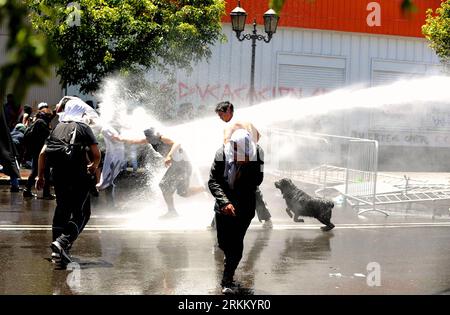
346,164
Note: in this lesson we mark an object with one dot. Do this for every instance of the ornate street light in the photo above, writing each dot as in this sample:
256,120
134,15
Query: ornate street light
238,17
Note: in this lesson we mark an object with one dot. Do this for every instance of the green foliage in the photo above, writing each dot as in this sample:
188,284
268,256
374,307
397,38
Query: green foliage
408,6
101,37
29,55
437,30
276,5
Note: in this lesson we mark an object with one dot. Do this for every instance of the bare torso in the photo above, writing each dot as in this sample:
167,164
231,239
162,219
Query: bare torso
241,125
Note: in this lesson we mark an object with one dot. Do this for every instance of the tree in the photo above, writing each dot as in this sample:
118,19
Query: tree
437,30
96,38
30,55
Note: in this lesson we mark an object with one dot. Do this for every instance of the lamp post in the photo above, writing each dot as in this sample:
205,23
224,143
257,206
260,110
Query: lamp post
238,17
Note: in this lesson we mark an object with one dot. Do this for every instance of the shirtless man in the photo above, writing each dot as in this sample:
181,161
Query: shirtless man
179,169
225,110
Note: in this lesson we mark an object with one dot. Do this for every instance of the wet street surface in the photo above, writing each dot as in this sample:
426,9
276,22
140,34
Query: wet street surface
127,249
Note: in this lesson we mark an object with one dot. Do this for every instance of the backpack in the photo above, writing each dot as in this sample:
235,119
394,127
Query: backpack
28,137
62,148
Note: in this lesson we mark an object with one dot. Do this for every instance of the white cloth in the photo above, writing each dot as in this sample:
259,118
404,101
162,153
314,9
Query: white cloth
240,148
114,159
42,105
74,110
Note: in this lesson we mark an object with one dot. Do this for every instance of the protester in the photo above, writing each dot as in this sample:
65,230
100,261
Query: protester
27,115
72,151
8,154
34,140
235,175
17,136
177,176
12,112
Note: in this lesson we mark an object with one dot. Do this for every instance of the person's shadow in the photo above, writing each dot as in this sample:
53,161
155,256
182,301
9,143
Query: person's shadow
247,274
175,259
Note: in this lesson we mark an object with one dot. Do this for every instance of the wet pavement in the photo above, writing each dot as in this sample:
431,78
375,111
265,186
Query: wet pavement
127,249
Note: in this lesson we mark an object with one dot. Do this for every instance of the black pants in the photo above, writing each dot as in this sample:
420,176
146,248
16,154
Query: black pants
261,210
73,208
34,171
230,236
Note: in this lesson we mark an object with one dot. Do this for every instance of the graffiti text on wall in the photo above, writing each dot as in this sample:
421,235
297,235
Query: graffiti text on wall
398,138
440,118
218,92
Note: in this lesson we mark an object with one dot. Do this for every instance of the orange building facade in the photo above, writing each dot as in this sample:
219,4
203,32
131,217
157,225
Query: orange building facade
384,17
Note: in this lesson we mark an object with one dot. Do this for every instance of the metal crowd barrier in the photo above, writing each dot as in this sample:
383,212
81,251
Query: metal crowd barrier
346,164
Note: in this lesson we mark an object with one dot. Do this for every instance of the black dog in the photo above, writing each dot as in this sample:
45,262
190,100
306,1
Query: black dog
301,204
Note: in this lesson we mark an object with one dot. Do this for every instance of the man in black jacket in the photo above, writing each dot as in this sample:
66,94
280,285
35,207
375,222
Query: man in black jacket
34,140
236,173
8,154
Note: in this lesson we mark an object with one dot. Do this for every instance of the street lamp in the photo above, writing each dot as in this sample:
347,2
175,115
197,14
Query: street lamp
238,17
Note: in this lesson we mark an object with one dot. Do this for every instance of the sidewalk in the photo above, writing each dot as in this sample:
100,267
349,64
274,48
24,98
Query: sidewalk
24,173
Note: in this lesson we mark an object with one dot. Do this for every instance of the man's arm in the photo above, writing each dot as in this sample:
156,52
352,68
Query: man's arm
174,147
255,133
95,158
130,141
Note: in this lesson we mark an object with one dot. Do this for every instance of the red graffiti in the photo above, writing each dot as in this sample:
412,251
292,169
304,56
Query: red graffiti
181,87
284,91
208,91
319,91
241,93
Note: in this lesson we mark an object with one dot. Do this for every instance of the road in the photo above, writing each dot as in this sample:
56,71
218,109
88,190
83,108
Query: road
126,249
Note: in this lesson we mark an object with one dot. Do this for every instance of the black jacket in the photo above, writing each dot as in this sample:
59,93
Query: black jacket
36,134
242,196
8,150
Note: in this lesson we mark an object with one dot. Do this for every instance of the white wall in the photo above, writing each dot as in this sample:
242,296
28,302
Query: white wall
227,74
